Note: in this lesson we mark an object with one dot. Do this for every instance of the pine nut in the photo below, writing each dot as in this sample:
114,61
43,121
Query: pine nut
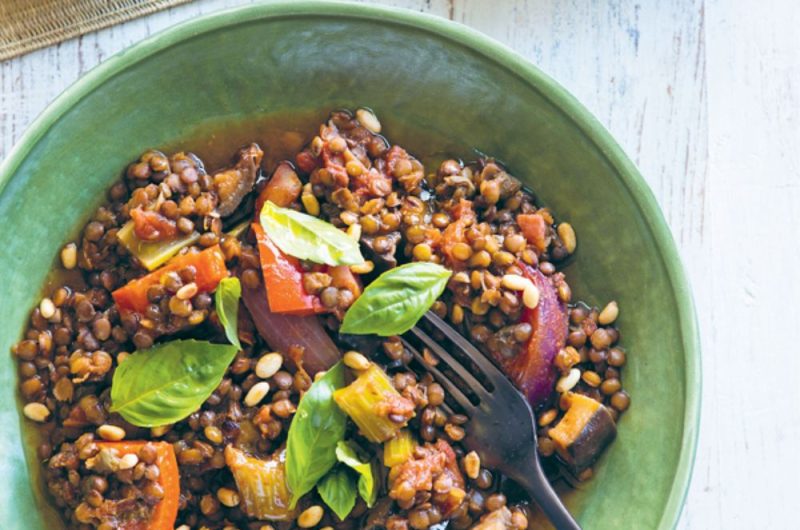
609,314
268,365
530,296
128,461
568,382
354,231
515,282
160,430
184,527
47,308
256,394
356,361
472,465
567,235
187,292
547,417
213,434
591,378
457,315
112,433
69,256
228,497
363,268
310,517
311,204
368,119
36,412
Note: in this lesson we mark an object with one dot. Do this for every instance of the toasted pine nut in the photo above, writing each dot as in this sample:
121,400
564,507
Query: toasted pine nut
268,365
354,231
609,314
567,235
47,308
310,203
160,430
368,119
363,268
256,394
228,497
472,464
36,412
569,381
69,256
356,361
530,296
515,282
112,433
547,417
187,291
128,461
310,517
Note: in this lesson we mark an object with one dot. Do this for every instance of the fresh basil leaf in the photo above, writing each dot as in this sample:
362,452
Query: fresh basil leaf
338,491
169,381
306,237
396,300
317,426
226,301
367,486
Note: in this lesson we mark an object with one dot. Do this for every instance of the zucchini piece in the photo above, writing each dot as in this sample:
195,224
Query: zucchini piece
153,254
375,406
398,449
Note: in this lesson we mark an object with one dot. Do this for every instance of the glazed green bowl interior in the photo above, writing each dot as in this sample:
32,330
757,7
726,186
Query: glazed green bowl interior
436,86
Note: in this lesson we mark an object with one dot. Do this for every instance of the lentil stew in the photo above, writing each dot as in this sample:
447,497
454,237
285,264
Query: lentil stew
191,370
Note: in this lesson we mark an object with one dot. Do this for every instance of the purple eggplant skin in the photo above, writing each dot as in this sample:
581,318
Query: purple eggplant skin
532,370
281,332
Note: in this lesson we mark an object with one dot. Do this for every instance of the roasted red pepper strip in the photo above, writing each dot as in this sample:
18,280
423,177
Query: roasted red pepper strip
283,279
166,511
209,266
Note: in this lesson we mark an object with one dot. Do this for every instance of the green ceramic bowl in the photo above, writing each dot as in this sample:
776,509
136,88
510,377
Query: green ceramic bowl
429,80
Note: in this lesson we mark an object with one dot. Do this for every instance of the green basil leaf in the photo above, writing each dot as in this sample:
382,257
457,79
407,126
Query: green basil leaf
396,300
317,426
338,491
169,381
367,486
226,301
306,237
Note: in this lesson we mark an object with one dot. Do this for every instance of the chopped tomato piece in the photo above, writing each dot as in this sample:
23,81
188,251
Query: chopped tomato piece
166,511
152,226
209,266
534,228
283,279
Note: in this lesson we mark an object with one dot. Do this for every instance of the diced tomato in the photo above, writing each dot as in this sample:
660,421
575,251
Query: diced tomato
166,511
534,228
306,162
152,226
209,266
283,279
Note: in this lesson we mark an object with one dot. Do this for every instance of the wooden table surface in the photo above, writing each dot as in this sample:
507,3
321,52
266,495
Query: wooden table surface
705,98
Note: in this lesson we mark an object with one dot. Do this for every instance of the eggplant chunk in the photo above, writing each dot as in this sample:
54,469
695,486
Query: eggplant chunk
233,184
583,433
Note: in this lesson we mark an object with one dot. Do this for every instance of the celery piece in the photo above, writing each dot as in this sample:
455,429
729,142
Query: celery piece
261,484
398,449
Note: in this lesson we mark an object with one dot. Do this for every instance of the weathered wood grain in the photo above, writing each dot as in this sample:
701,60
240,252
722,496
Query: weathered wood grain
704,95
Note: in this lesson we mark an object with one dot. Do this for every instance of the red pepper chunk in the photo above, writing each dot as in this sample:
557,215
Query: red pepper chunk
209,266
166,511
283,279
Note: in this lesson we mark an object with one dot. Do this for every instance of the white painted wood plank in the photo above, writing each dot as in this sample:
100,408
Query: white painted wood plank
704,97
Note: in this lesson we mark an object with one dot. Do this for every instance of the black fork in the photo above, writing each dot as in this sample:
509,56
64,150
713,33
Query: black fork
502,429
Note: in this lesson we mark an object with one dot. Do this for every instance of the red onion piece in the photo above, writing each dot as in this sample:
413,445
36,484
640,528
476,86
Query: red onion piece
533,370
284,331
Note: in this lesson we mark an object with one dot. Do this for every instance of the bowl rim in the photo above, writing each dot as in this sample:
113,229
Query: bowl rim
500,54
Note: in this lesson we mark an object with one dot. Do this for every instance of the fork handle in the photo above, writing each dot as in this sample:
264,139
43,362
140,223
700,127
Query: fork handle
540,490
